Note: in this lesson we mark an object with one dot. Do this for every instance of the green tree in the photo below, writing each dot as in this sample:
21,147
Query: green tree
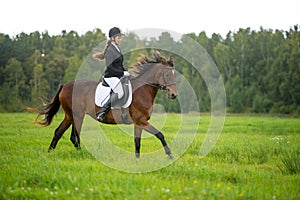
14,78
38,83
222,57
72,69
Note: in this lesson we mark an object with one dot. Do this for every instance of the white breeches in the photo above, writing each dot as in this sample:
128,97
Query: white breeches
115,85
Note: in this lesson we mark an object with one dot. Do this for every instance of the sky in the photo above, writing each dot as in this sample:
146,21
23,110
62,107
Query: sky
211,16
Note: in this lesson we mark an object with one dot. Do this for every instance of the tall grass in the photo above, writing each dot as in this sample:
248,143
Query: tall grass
290,161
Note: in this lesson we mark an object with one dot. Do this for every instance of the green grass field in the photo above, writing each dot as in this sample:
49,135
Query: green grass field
256,157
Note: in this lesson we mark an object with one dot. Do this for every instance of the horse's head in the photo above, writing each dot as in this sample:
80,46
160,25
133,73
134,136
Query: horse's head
167,77
161,73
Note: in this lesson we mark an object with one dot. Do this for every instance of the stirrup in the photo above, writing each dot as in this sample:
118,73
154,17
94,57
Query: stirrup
101,116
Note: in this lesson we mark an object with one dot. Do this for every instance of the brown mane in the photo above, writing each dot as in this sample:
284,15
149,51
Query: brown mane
141,65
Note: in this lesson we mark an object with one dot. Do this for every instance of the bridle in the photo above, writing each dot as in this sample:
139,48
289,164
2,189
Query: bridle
165,84
160,86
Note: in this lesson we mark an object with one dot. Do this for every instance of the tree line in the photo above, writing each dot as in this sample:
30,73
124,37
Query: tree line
260,69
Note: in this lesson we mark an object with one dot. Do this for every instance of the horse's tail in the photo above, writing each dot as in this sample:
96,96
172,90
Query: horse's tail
49,110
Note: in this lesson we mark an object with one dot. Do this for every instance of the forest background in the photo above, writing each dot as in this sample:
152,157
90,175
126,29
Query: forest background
260,69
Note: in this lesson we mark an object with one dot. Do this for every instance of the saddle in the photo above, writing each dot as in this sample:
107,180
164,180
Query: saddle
103,93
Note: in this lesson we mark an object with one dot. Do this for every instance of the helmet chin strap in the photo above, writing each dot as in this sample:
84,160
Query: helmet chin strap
113,40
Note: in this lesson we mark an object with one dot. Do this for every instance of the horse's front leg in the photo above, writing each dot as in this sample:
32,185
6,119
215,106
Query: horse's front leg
137,140
151,129
73,138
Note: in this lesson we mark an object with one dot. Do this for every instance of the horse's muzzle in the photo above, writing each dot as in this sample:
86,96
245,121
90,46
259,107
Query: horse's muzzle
172,93
172,96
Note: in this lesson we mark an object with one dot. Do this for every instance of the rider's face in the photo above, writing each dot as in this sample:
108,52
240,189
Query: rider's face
118,39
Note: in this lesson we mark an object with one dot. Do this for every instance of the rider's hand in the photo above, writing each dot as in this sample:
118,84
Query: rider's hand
126,73
97,56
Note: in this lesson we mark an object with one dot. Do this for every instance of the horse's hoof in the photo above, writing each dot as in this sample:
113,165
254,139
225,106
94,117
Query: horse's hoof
168,151
78,148
50,149
170,156
76,145
137,155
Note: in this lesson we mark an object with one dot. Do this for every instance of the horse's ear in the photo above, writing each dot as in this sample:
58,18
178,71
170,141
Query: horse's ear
164,61
171,61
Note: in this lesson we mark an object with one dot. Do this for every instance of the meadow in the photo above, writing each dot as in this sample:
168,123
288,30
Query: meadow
256,157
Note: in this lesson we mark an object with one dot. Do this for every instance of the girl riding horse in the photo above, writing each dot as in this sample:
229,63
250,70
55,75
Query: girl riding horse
114,69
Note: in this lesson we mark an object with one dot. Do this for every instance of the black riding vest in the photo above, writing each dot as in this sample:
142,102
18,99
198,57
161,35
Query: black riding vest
114,63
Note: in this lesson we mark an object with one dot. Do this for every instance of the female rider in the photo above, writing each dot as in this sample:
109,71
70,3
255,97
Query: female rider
114,69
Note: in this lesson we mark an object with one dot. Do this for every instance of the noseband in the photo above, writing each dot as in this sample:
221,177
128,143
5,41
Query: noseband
165,84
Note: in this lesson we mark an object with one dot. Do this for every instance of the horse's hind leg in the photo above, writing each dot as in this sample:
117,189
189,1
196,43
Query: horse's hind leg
64,125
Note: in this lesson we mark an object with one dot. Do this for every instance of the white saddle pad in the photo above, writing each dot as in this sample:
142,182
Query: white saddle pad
102,95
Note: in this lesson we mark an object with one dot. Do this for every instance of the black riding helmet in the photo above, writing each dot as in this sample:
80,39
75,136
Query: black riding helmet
115,31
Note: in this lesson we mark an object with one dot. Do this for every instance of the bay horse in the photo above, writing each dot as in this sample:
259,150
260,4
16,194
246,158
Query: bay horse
147,77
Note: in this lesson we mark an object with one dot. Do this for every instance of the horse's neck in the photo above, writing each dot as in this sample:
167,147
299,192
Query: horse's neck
145,96
140,84
144,89
145,84
148,78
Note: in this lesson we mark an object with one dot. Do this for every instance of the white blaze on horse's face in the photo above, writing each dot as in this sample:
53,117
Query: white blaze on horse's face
169,81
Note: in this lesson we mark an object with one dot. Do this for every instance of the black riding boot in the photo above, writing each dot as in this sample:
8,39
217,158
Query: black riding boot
106,107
